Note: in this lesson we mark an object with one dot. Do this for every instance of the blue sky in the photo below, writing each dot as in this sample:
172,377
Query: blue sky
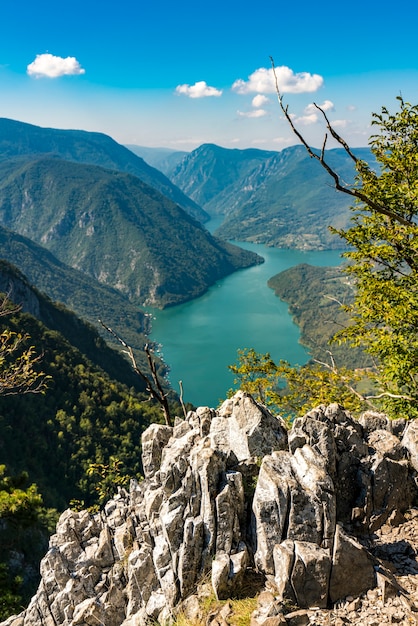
179,74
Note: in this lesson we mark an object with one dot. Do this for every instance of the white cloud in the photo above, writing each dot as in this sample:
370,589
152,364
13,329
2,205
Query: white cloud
259,100
327,105
340,123
255,113
305,120
311,113
198,90
53,66
263,81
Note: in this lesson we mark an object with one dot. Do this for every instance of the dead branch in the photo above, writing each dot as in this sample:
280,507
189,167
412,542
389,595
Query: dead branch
154,388
181,399
387,394
355,193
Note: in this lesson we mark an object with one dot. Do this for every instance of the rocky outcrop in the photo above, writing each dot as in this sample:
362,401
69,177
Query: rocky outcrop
227,494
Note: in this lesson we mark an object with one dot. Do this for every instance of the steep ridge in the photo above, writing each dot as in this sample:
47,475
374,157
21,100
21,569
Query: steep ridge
80,293
94,406
211,173
56,317
234,501
282,199
18,139
115,228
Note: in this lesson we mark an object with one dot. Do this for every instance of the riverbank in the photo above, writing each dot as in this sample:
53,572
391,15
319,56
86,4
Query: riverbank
200,338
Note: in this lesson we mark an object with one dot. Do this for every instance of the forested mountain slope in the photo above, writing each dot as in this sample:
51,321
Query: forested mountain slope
79,292
28,141
79,333
315,295
85,416
115,228
211,175
282,199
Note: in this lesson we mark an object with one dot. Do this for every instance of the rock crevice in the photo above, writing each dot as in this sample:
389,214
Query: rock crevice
227,493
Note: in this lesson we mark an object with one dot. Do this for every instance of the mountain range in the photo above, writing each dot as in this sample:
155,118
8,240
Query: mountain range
18,139
283,199
107,223
79,292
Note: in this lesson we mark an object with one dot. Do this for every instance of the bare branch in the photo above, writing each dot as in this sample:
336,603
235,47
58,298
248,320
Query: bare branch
336,136
387,394
154,388
334,300
355,193
181,399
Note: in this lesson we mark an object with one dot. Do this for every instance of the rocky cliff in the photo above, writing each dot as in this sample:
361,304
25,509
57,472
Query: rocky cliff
234,498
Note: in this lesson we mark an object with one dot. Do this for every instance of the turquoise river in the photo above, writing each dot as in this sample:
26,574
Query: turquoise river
199,339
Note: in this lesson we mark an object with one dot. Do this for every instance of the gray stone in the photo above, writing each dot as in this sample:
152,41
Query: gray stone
386,444
372,420
153,440
247,429
410,442
310,574
199,514
294,499
348,557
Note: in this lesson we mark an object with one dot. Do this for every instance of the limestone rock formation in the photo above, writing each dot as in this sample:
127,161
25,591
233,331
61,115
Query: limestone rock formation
227,493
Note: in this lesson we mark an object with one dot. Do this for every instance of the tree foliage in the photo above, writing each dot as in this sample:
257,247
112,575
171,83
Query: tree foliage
384,260
383,264
24,529
291,390
19,362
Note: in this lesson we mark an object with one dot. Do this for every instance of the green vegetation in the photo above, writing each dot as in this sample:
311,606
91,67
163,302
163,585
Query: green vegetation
383,244
383,314
68,430
315,296
210,174
26,141
78,292
293,391
84,416
281,199
79,333
122,232
25,526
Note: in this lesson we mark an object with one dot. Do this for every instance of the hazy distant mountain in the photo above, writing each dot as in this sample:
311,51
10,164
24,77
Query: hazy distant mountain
115,228
279,198
26,140
212,173
164,159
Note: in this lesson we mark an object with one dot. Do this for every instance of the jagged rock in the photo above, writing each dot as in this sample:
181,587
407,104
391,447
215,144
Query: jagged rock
410,442
371,421
386,444
352,567
391,489
247,429
294,499
154,440
198,513
228,572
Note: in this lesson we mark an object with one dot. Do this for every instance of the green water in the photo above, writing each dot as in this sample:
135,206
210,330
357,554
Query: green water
200,339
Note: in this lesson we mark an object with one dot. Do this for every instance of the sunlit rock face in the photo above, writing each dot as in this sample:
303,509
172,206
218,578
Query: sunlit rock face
226,493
